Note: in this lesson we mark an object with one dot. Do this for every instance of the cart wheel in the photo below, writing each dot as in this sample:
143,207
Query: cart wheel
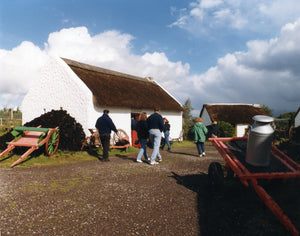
122,135
52,144
216,174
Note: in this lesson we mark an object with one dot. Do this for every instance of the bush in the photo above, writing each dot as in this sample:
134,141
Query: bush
187,126
226,129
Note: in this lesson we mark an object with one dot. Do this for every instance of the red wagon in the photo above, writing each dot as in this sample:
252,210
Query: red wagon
34,138
282,167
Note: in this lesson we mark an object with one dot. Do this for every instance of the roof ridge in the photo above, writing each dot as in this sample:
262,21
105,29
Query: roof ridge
104,71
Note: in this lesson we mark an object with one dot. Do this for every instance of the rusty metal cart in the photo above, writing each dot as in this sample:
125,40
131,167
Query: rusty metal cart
286,168
34,138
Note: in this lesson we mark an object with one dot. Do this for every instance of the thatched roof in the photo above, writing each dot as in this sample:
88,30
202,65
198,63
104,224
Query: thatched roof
114,89
233,113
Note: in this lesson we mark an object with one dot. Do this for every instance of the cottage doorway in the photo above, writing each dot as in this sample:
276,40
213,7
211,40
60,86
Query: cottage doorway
134,138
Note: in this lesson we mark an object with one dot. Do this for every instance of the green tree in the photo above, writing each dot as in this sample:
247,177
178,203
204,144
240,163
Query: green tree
187,109
187,115
267,109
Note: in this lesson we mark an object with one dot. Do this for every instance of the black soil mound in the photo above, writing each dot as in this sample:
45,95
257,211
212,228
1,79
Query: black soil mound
71,133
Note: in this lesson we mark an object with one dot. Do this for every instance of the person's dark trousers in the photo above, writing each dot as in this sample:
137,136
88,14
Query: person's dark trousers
105,139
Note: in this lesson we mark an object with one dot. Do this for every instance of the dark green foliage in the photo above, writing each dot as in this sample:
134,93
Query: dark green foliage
225,129
187,126
267,109
187,109
187,122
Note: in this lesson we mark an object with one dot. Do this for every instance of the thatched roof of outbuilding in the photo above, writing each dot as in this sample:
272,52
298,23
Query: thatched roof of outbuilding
115,89
233,113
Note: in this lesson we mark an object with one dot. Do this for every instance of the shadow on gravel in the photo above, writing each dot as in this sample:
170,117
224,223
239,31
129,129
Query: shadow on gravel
232,210
95,154
125,157
7,157
184,153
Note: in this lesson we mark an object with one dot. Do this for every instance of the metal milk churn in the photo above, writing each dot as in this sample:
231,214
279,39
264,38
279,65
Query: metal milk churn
260,141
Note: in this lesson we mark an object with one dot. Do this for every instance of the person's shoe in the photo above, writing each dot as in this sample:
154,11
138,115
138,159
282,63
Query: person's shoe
106,159
154,163
169,149
200,155
203,154
139,161
159,160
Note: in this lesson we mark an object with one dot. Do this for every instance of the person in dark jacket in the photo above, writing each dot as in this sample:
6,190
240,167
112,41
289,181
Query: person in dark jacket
104,126
156,126
143,135
213,129
167,134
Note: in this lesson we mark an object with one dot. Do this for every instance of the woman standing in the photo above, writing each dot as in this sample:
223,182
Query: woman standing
199,130
167,134
143,134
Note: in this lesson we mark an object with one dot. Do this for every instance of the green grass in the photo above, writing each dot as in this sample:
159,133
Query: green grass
65,157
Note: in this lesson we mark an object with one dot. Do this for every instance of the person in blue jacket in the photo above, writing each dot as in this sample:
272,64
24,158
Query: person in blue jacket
104,126
156,126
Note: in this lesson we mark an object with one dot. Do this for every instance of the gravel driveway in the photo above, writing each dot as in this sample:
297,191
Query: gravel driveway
122,197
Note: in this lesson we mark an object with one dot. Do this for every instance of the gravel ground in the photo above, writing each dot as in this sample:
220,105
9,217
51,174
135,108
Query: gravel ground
122,197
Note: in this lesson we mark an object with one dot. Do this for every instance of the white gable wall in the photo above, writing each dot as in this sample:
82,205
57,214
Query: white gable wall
58,87
240,129
206,118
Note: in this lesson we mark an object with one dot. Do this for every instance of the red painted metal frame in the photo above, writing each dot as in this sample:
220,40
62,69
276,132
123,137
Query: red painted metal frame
30,139
248,178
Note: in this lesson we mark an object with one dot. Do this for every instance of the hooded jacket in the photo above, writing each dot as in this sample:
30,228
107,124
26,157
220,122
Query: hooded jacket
199,130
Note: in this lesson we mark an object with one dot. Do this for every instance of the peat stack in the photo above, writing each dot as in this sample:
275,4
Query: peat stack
71,134
5,138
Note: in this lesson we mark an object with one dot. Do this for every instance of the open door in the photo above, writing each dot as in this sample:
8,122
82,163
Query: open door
134,119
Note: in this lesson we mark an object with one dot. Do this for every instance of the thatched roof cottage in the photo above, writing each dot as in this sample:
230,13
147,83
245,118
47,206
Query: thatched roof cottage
84,91
239,115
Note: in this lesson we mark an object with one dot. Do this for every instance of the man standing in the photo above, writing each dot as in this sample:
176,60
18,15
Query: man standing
156,126
104,126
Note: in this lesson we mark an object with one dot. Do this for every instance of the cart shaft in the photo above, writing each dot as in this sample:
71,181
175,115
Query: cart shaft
26,154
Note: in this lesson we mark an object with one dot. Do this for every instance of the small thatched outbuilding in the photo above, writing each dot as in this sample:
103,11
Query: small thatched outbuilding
239,115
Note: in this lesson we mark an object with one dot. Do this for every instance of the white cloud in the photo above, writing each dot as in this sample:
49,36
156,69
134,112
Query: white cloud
18,70
111,49
268,73
247,15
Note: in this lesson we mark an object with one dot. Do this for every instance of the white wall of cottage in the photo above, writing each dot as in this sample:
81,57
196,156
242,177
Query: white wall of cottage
58,87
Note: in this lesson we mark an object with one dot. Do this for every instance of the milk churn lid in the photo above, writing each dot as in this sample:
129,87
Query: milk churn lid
262,118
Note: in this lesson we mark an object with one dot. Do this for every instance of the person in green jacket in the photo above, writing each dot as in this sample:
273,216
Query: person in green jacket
199,130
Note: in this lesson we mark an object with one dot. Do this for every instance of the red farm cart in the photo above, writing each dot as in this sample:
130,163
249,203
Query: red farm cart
281,167
34,138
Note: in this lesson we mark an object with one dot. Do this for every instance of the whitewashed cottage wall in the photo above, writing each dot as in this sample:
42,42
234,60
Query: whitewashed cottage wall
58,87
205,118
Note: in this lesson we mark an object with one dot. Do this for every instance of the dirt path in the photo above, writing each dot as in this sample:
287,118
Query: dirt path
122,197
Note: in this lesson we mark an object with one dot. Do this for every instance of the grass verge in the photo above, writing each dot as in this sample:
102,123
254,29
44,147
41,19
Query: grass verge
65,157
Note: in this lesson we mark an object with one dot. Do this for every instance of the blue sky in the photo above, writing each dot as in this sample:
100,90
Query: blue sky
211,51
